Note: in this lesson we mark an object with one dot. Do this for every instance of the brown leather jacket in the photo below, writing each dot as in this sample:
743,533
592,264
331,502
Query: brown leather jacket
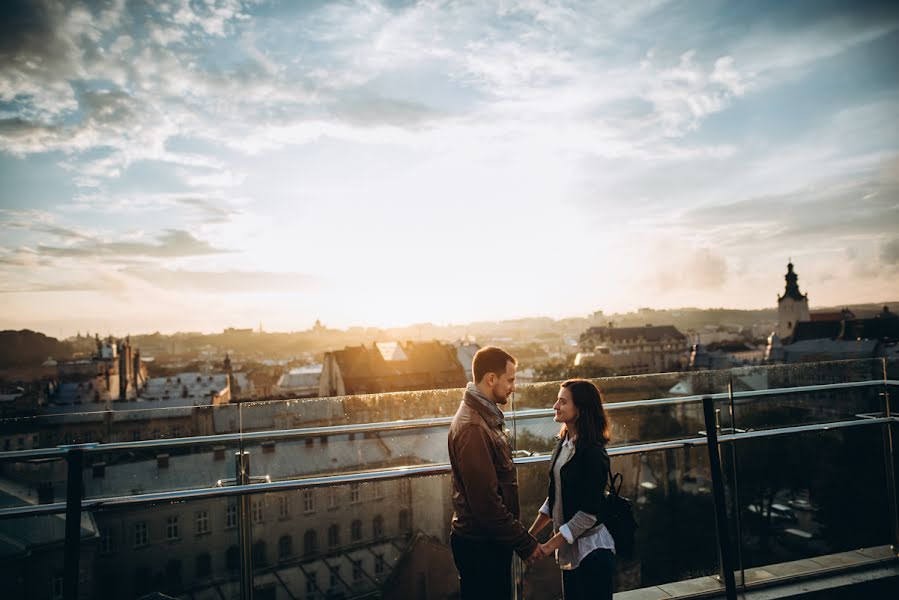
485,484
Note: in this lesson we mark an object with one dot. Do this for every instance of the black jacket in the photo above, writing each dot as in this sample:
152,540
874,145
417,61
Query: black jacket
584,481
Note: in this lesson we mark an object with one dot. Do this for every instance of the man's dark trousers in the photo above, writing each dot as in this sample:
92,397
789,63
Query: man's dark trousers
485,568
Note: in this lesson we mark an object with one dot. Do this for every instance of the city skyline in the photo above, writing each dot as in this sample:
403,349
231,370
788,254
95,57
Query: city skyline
189,168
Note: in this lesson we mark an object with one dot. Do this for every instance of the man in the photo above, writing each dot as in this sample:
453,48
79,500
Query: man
485,527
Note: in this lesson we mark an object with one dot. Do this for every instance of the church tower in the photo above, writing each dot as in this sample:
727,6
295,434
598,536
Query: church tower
792,307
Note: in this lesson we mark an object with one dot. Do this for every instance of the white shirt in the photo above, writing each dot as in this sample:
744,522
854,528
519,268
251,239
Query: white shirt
579,542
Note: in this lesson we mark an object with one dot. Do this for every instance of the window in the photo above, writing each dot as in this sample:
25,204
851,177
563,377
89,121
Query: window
106,546
377,526
404,520
308,501
378,487
142,576
356,530
311,584
232,558
354,493
231,516
332,498
335,576
333,536
259,555
285,546
141,537
283,507
379,564
258,506
202,521
357,570
204,565
173,572
172,531
56,588
310,542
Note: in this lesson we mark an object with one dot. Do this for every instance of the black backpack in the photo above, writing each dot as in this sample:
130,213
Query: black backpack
619,518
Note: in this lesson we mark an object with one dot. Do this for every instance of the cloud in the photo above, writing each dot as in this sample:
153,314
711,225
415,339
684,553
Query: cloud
171,244
889,252
231,281
698,269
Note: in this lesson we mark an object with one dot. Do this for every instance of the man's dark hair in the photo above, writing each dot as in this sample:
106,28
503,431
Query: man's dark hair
593,422
490,359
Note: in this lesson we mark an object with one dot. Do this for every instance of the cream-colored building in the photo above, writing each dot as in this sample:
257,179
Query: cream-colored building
792,307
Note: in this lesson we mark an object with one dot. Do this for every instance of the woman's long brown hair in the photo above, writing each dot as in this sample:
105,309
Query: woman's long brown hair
592,423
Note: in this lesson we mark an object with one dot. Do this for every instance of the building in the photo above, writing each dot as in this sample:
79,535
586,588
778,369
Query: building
816,340
634,350
792,307
115,372
341,541
299,382
391,367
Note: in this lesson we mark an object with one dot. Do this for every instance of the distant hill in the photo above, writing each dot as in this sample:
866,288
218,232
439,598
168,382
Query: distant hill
28,348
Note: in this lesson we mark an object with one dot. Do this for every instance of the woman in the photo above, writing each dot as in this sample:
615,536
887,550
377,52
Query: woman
578,475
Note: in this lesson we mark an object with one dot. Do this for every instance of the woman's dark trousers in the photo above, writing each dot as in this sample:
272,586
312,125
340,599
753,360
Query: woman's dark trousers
592,579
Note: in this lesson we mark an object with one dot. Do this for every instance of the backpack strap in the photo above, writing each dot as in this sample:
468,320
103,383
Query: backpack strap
615,482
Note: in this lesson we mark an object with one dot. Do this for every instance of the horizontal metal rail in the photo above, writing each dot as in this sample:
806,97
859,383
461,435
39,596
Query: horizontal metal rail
93,504
390,426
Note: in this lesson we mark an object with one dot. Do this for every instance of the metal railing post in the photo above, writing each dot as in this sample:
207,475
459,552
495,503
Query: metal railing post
245,543
72,548
890,463
724,545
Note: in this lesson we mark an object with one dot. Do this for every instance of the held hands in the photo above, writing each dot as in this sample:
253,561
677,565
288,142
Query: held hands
539,553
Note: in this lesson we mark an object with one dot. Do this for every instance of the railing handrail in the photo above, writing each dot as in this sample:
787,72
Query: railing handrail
401,425
428,470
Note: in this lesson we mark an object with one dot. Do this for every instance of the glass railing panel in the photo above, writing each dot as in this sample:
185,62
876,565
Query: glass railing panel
32,481
671,491
185,550
121,421
674,413
891,371
31,556
814,406
810,494
144,467
385,538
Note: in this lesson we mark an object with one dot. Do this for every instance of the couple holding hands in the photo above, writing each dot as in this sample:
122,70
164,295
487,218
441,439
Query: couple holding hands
486,528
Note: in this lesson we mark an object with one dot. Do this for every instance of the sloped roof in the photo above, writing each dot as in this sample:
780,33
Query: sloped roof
437,362
650,333
815,330
848,329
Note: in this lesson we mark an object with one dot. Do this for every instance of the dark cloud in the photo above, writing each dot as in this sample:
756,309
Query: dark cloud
29,31
851,14
824,211
171,244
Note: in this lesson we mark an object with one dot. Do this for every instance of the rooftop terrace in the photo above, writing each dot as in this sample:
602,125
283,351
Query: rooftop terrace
349,497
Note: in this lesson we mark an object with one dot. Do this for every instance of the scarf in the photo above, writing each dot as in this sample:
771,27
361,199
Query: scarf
473,392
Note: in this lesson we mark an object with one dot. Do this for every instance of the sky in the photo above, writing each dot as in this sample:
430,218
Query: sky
195,165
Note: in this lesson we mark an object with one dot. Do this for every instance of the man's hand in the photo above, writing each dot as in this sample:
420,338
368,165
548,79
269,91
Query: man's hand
536,555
